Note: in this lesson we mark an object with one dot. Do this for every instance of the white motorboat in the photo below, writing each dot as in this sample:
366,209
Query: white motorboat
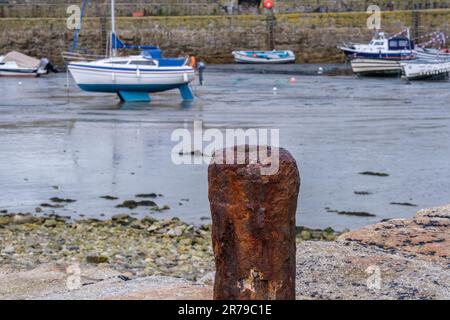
432,54
16,64
132,78
264,57
426,70
376,67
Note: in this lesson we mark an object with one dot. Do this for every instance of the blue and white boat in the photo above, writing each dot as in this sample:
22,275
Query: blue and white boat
132,78
264,57
381,47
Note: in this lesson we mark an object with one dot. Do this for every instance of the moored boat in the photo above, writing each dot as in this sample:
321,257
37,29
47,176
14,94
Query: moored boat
381,47
16,64
133,77
264,57
432,54
426,70
376,67
382,56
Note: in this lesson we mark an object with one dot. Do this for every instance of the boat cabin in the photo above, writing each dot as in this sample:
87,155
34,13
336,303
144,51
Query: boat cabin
391,44
400,43
384,45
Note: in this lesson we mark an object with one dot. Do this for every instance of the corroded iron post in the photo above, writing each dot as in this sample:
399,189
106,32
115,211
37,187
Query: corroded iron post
253,227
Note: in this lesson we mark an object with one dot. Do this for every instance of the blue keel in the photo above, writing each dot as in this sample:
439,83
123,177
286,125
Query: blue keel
186,93
134,96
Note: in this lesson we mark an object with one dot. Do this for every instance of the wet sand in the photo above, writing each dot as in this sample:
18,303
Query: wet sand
82,145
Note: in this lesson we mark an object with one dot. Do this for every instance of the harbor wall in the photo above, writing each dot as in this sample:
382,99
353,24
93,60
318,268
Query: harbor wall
99,8
313,36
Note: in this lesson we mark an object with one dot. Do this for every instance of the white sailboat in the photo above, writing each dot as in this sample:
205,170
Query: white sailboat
133,77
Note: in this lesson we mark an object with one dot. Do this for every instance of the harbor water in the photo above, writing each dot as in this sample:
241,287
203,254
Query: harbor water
59,142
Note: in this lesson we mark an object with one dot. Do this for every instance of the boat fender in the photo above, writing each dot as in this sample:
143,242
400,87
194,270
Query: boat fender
138,72
185,77
113,76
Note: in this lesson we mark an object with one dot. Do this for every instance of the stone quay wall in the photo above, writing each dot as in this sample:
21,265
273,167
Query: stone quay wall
99,8
313,36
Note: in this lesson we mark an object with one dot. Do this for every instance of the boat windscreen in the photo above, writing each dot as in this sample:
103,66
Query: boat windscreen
143,62
400,44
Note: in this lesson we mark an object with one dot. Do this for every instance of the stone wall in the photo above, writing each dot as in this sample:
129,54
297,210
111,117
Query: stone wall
98,8
313,36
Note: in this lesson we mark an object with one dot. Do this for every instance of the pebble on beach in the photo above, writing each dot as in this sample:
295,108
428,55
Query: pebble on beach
143,247
140,246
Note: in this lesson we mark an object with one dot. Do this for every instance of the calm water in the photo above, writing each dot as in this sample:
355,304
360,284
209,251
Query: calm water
89,145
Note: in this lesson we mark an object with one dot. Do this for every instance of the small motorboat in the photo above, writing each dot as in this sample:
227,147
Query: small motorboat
376,67
264,57
426,70
381,47
16,64
432,54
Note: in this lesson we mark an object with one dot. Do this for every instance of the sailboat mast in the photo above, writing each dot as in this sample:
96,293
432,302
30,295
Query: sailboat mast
113,28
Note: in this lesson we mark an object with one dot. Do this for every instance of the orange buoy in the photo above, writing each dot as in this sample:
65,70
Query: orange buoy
193,62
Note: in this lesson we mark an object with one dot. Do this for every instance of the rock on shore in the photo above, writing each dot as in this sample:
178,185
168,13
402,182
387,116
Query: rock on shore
426,236
397,259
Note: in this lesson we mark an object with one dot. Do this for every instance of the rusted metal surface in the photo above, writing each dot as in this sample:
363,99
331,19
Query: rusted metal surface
254,228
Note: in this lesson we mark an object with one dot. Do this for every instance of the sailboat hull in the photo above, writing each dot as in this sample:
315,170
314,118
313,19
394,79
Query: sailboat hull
101,79
132,77
114,88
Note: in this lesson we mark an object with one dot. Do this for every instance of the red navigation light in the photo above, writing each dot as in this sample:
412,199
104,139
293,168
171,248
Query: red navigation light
268,4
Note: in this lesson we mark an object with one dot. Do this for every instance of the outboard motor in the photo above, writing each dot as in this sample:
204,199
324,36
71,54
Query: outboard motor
45,67
51,68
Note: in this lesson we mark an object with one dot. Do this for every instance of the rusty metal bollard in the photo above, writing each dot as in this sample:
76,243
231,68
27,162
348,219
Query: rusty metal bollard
253,227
